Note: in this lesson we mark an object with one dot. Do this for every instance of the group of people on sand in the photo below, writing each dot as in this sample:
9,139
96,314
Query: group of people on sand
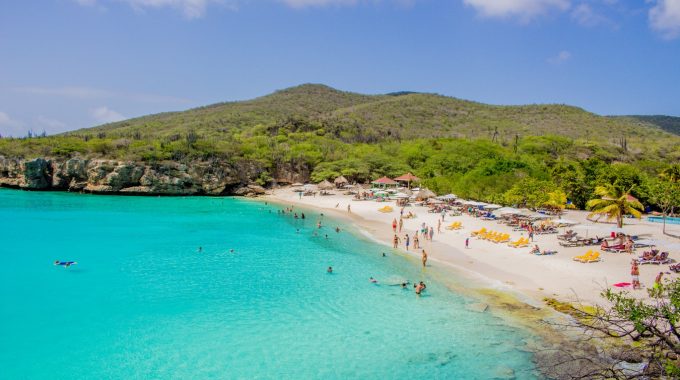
635,275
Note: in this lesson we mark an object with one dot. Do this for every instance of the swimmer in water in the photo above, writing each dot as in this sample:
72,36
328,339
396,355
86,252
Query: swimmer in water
420,287
297,230
64,264
231,250
384,255
329,270
373,280
200,249
326,236
337,229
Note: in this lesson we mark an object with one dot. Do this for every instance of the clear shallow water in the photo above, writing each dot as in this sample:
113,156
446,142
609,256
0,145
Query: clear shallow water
143,303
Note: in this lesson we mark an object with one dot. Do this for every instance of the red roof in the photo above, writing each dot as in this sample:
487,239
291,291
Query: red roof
384,181
407,177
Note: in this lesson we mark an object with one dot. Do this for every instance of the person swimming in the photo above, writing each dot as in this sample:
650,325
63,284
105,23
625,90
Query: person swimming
373,280
384,255
329,270
420,287
64,264
200,249
337,229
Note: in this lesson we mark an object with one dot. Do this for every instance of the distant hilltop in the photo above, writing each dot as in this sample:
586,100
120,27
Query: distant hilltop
313,132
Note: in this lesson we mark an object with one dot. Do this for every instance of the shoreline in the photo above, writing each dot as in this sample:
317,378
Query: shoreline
487,265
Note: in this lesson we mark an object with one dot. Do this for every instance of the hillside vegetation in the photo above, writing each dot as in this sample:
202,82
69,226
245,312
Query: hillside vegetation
473,149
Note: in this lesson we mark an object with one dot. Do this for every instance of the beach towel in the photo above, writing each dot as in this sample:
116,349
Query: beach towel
622,284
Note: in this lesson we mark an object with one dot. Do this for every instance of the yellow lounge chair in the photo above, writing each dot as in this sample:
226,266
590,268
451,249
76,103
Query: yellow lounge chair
453,226
482,231
458,226
595,257
386,209
583,257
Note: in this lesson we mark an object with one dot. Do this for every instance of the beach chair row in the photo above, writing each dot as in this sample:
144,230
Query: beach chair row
494,236
520,243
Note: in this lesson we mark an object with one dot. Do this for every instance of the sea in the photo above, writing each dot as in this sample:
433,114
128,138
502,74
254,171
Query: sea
226,288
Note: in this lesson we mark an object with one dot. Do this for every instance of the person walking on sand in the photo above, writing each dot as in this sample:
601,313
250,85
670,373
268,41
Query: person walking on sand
424,259
416,241
467,243
439,226
349,208
431,232
657,281
635,274
396,241
407,241
401,223
394,225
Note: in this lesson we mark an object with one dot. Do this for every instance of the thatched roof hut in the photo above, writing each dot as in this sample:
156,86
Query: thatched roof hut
325,185
425,194
340,181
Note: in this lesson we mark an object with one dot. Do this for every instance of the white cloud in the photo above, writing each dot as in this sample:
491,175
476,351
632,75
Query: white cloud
525,10
664,17
88,93
561,57
317,3
585,15
190,8
69,92
9,126
105,115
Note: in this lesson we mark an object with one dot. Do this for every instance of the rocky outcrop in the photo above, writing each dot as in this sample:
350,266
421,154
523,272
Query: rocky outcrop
111,176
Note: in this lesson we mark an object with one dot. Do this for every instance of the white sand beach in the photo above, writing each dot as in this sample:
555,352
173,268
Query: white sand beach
514,269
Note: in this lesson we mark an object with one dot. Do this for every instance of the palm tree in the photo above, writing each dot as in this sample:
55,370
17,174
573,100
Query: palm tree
614,203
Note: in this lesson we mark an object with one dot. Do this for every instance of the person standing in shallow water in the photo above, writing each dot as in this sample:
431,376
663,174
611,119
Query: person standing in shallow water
424,258
401,223
407,241
416,241
396,241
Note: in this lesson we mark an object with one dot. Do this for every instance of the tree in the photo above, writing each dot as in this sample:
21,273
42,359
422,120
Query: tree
666,195
557,200
671,173
614,203
530,192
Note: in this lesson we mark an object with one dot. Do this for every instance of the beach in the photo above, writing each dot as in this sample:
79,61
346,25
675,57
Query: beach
499,266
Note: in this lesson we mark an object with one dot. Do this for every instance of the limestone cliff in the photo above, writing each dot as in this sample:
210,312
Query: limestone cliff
121,177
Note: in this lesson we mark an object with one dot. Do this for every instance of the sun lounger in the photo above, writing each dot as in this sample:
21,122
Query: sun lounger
661,258
386,209
589,257
475,233
571,243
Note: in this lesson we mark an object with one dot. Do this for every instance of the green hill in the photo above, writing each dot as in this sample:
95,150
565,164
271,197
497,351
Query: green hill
316,132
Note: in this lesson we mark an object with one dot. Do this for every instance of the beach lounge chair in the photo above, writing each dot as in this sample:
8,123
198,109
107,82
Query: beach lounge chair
661,258
475,233
454,226
458,226
586,255
504,238
595,257
522,242
386,209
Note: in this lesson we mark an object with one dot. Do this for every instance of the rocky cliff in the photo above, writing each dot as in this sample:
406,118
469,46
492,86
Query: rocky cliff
120,177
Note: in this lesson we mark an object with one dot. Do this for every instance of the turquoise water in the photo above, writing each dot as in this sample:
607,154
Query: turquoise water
143,303
659,219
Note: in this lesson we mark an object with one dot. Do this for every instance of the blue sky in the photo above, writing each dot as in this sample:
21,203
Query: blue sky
67,64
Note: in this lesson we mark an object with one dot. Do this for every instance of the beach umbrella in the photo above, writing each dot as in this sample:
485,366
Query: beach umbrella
425,194
408,178
508,211
341,180
384,181
325,185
